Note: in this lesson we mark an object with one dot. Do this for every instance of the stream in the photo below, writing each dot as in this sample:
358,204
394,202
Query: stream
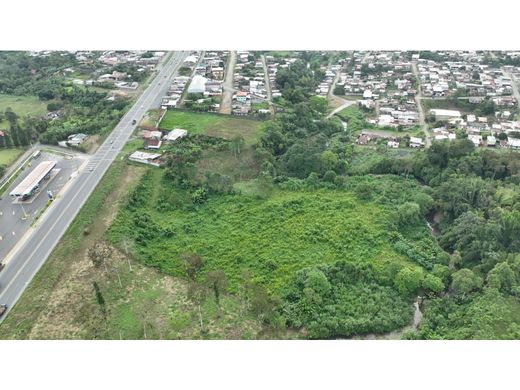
398,333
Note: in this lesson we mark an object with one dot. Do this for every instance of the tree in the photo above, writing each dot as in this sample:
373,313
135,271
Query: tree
328,160
193,264
408,213
433,283
197,294
236,144
503,278
217,281
442,272
408,280
465,281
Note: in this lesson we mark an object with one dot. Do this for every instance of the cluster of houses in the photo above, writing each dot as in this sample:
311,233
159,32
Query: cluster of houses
178,85
369,137
249,83
153,138
174,94
385,83
326,84
478,79
482,131
143,60
208,77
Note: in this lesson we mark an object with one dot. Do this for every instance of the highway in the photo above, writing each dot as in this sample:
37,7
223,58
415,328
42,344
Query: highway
32,253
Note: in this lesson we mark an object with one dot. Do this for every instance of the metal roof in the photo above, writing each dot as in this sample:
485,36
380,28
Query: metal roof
33,179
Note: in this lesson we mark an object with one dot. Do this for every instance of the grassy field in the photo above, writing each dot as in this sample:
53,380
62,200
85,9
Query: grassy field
22,105
224,126
271,238
8,156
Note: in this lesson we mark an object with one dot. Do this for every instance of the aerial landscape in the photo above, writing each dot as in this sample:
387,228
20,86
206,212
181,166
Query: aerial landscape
246,195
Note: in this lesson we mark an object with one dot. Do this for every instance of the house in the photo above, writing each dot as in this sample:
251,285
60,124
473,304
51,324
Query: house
491,140
476,139
76,139
175,134
416,142
152,139
393,144
367,94
514,143
145,158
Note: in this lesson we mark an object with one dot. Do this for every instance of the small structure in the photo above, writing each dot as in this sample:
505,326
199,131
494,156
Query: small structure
76,139
152,139
146,158
491,140
175,134
416,142
393,144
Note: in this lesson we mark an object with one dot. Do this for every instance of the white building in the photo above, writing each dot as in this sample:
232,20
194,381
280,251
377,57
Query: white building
175,134
198,84
442,115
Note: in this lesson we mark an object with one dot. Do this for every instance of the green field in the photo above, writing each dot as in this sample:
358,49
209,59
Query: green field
8,156
224,126
272,238
22,105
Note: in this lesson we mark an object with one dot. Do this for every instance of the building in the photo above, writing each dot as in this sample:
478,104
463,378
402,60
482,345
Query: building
152,139
175,134
32,182
416,142
145,158
444,115
198,84
491,140
76,139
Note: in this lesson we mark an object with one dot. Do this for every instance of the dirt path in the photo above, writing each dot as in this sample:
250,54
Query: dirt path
345,104
420,109
227,85
268,86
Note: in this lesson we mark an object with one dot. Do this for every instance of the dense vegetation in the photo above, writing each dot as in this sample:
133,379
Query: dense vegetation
77,109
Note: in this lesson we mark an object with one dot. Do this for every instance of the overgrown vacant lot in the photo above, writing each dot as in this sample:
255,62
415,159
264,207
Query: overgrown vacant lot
224,126
272,238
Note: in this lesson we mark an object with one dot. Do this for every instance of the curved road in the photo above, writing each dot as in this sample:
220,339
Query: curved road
36,248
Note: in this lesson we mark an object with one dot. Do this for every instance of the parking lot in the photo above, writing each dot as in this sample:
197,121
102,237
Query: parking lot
16,216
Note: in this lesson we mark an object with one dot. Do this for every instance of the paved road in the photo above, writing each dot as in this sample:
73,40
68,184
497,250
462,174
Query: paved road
227,85
33,252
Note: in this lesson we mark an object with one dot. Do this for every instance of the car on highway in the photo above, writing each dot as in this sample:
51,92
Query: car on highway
134,121
3,309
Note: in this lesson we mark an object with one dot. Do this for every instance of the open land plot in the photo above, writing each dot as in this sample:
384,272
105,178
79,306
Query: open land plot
22,105
213,125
